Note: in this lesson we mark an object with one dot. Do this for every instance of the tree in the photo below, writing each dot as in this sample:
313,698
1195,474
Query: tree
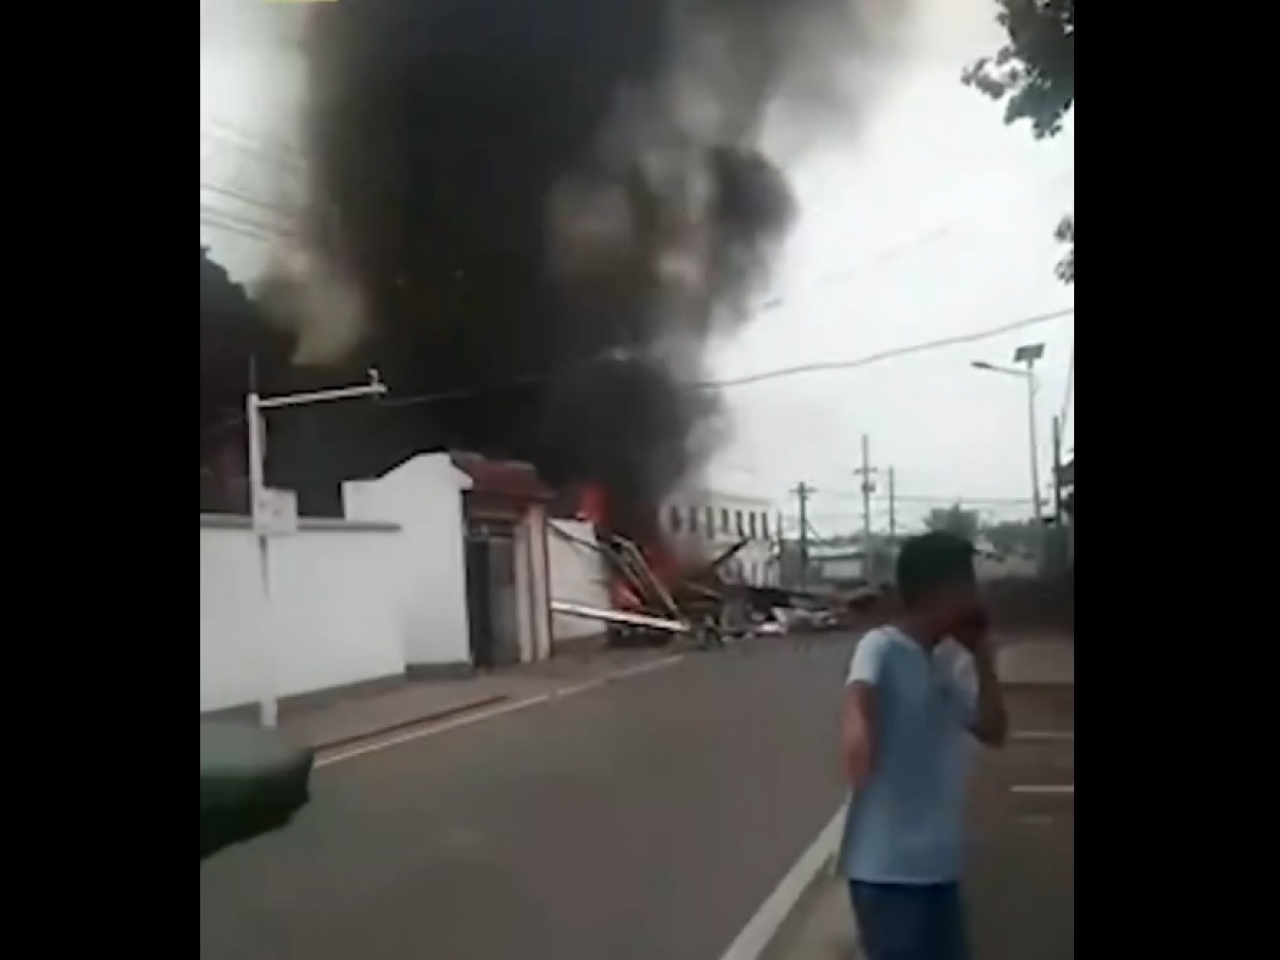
954,519
1034,74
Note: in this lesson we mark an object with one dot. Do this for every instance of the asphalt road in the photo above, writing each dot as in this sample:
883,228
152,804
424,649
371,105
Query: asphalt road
1021,878
645,820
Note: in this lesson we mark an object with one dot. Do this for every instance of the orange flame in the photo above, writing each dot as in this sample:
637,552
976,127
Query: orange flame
593,507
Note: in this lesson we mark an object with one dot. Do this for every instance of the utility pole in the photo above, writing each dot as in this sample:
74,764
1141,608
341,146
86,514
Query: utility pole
867,473
803,491
1057,469
1059,533
893,513
274,512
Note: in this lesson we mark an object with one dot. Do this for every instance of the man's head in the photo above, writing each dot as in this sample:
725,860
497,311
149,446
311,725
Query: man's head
936,580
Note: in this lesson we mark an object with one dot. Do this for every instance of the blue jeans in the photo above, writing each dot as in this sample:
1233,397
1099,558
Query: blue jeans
898,921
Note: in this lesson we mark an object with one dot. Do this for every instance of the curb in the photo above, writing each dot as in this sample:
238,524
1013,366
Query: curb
471,712
814,866
445,713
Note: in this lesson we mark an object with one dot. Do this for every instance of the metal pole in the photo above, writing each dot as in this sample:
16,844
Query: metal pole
893,510
1057,470
1059,521
802,493
1035,451
868,487
268,703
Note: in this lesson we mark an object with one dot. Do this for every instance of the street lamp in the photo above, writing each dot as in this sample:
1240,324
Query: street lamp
273,513
1027,356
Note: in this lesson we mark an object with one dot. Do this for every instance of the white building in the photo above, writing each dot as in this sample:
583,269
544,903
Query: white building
705,523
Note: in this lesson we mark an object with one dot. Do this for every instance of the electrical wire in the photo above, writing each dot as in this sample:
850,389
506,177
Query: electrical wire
237,228
938,344
933,235
776,374
245,198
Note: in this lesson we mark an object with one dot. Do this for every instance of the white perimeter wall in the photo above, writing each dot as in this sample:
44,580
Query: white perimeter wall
427,566
351,600
577,576
329,623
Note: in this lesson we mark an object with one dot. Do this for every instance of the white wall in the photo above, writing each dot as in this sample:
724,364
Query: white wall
330,621
577,576
357,599
427,569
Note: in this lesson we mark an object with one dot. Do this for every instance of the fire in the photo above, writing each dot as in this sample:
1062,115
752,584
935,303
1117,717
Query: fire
594,507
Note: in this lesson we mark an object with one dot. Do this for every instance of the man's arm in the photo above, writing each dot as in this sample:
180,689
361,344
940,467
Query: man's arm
990,722
858,716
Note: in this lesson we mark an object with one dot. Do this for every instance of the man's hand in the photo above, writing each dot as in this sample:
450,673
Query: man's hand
990,722
973,631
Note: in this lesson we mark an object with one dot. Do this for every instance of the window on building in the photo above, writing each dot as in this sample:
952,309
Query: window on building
693,519
737,522
674,518
711,521
764,525
724,519
751,525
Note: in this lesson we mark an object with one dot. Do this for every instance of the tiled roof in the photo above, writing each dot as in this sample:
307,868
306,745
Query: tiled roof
506,478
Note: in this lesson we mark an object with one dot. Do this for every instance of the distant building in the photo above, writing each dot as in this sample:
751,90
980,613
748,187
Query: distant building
705,523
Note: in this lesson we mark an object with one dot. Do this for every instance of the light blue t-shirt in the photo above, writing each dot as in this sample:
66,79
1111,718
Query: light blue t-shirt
906,824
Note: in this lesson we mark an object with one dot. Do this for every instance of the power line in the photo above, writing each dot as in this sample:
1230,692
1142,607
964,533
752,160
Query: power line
825,365
932,498
801,369
238,228
253,145
246,198
936,233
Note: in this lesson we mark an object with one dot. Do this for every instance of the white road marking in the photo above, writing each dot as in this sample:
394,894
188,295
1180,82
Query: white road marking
755,937
466,719
1045,789
1044,736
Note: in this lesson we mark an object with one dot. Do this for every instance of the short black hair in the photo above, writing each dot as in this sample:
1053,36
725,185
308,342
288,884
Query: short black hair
932,560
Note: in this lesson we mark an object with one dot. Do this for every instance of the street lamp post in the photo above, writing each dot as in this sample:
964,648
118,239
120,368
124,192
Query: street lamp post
266,511
1026,356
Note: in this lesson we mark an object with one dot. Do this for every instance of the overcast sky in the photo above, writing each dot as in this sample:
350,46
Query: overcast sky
931,220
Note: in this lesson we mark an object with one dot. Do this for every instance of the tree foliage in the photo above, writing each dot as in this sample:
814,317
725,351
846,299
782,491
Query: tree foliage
1034,75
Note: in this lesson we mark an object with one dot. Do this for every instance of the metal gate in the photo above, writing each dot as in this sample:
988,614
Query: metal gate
491,595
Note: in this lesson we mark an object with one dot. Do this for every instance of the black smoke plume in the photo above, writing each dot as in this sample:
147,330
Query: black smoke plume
544,209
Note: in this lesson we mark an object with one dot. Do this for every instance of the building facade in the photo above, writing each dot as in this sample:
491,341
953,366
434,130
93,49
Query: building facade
702,524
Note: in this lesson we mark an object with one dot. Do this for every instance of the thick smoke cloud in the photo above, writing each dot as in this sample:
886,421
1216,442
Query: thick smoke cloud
565,194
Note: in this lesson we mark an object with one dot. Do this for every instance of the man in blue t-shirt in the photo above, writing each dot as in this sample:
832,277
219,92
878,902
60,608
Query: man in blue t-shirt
915,693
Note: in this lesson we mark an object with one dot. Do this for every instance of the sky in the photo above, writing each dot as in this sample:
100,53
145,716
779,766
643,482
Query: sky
929,219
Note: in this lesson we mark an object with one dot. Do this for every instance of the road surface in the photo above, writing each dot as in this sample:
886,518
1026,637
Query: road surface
645,820
1021,877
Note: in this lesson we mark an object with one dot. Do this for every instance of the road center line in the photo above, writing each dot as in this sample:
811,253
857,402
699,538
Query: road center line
465,720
